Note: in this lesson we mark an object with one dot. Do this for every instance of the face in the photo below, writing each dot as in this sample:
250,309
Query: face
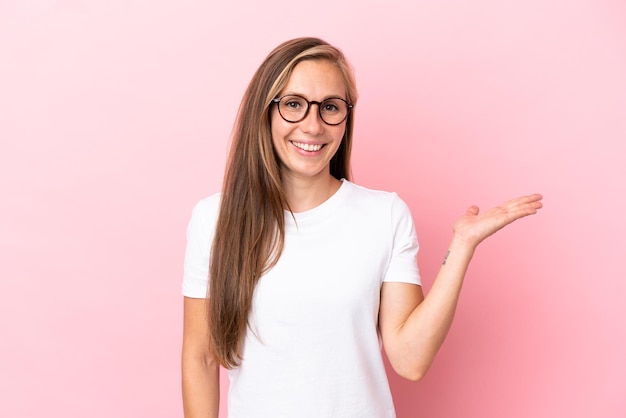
305,148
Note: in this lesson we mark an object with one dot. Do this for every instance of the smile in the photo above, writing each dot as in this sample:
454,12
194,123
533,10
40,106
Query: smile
308,147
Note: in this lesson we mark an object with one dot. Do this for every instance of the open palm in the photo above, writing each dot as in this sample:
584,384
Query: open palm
473,227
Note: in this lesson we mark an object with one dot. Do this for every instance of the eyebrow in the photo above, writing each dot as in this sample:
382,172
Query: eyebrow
290,93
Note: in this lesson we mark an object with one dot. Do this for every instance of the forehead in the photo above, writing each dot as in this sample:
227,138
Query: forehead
316,79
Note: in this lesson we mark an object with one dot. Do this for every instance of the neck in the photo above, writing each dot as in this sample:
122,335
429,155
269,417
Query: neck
306,194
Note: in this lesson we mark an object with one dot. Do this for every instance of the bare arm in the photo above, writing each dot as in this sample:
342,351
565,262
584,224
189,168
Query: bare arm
413,327
200,372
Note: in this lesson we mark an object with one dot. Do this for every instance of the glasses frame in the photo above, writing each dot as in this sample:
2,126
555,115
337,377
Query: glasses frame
308,107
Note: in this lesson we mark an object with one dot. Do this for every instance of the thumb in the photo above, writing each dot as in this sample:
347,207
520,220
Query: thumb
472,210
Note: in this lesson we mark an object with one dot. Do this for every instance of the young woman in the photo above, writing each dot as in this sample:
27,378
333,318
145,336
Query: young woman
294,275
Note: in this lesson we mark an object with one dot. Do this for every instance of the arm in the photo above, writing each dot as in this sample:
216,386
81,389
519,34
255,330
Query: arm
412,326
200,372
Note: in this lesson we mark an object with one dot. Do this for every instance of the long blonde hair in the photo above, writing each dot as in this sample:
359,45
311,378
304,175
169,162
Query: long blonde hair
250,228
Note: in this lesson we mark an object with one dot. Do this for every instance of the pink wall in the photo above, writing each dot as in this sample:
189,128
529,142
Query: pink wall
114,118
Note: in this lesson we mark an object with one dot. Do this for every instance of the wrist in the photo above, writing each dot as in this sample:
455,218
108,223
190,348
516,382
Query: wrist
462,244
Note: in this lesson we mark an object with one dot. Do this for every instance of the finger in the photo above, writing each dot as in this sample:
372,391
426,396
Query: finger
524,207
523,200
524,203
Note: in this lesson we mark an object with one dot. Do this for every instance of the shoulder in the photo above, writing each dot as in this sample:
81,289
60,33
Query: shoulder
199,238
379,207
207,207
204,213
382,198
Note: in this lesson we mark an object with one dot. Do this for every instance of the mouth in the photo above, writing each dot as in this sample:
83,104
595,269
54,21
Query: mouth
307,147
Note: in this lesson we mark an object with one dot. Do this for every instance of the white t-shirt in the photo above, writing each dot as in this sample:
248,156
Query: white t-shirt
313,348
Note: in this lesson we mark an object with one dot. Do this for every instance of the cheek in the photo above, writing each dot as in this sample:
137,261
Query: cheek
340,134
279,128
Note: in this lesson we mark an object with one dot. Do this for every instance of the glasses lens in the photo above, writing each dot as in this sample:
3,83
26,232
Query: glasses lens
333,111
293,108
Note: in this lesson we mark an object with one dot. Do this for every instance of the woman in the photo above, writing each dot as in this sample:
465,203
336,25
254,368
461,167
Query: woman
306,269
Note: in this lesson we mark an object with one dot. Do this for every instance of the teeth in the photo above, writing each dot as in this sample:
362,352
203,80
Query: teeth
307,147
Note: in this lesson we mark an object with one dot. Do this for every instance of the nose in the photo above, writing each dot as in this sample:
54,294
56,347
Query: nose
312,123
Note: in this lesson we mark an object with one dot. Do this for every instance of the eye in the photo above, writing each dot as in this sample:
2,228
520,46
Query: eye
293,103
332,106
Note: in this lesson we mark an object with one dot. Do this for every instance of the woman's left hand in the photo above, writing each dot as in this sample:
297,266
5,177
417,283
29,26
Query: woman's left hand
473,227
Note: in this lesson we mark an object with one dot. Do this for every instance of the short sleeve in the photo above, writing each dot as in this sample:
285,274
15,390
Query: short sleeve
403,265
200,233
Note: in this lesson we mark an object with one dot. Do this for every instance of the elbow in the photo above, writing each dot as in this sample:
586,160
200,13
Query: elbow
204,361
199,357
410,361
413,372
414,375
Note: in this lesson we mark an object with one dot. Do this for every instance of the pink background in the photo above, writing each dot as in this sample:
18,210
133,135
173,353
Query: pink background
114,120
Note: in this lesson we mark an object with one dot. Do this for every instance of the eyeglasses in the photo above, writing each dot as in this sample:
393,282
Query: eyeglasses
294,108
